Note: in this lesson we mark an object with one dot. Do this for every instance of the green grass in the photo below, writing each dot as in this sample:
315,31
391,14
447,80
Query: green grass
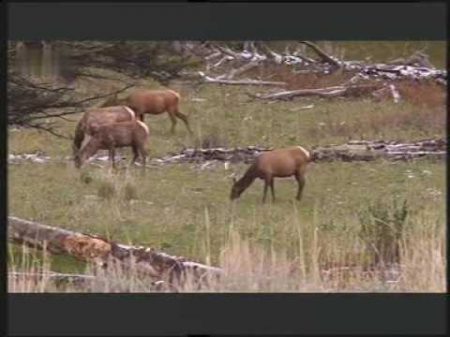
173,204
228,118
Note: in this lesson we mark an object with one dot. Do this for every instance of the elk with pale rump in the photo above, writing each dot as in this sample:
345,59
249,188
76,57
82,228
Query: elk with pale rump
100,116
110,136
285,162
153,102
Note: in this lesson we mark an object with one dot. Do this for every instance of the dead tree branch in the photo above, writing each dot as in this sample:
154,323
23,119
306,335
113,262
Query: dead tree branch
324,56
32,104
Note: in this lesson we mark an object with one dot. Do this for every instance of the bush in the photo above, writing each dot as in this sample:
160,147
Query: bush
106,189
382,228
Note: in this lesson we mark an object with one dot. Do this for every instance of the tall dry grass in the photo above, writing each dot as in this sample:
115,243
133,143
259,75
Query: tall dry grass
401,251
426,94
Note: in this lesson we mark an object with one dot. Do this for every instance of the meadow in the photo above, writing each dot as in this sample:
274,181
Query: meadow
352,216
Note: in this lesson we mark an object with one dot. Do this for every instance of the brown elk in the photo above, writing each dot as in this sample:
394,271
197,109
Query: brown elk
110,136
153,102
286,162
100,116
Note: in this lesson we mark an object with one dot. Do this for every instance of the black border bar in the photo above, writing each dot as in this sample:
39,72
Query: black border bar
227,21
226,314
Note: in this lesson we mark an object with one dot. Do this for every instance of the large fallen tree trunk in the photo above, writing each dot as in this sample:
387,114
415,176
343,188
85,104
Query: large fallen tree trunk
105,253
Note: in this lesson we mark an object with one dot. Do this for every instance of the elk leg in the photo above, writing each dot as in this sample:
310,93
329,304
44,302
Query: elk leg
184,118
301,184
272,189
112,155
268,181
173,119
141,116
265,191
135,154
143,154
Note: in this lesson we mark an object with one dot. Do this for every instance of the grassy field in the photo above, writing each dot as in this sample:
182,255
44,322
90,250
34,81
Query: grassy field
350,214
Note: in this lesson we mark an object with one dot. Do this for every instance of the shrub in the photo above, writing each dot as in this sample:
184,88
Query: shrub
382,227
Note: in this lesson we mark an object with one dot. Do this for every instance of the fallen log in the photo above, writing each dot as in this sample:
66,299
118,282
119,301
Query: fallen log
336,91
224,80
104,253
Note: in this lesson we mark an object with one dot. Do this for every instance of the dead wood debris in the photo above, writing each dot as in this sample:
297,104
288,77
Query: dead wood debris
355,150
258,53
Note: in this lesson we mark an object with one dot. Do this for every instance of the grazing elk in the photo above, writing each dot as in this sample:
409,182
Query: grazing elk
286,162
100,116
153,102
110,136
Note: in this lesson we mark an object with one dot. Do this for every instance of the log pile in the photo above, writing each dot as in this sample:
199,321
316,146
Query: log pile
361,150
254,54
105,254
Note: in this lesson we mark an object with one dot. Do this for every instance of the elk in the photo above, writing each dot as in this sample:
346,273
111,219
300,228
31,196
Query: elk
287,162
153,102
110,136
100,116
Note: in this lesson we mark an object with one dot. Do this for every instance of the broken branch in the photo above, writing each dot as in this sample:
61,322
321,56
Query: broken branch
324,56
